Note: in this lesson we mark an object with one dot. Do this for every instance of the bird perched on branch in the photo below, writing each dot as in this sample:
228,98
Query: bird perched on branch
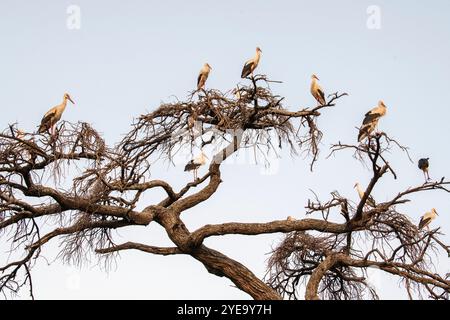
196,163
370,201
203,76
54,115
426,219
317,91
251,64
370,121
423,165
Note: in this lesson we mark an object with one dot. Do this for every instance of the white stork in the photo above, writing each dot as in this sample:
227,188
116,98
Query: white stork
370,201
54,115
196,163
317,91
251,64
203,75
424,165
370,121
426,219
20,134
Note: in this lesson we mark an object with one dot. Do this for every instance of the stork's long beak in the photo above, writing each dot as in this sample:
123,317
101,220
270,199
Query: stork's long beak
70,100
355,185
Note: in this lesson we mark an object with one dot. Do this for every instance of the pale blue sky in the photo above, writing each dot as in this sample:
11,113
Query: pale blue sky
130,56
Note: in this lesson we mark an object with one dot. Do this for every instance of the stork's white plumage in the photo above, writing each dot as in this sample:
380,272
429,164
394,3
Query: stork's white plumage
251,64
370,201
203,76
371,119
317,91
196,163
54,115
426,219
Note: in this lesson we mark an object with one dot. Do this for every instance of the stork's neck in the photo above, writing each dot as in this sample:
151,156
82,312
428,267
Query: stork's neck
257,56
64,103
360,192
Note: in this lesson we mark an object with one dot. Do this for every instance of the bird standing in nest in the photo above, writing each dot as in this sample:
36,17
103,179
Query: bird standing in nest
54,115
251,64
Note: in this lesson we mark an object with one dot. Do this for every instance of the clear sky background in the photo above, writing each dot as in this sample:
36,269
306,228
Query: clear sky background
129,56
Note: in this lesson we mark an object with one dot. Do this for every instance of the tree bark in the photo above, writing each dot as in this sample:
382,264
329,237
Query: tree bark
223,266
317,275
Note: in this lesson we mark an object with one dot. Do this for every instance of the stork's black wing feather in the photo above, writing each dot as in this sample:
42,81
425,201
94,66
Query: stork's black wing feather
371,117
423,222
191,166
247,70
322,96
199,79
46,122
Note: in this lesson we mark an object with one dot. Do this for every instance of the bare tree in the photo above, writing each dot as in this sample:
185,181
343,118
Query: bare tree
330,257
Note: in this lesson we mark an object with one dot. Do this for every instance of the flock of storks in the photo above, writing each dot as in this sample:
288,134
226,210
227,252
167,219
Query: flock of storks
369,124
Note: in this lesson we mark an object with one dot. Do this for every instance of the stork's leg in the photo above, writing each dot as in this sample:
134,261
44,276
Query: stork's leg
428,176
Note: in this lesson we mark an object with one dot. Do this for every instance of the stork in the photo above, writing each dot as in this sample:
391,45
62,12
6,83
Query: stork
203,75
371,119
317,91
251,64
54,115
423,165
239,93
370,201
20,134
426,219
196,163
